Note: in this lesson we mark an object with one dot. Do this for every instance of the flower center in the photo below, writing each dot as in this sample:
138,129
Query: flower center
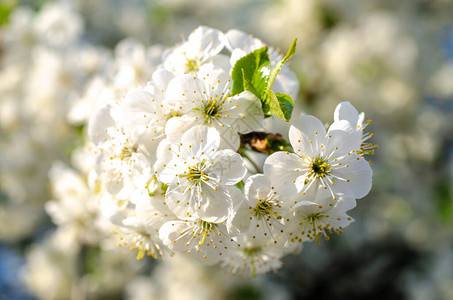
264,208
253,251
206,228
313,218
252,254
196,174
126,152
319,167
211,110
192,66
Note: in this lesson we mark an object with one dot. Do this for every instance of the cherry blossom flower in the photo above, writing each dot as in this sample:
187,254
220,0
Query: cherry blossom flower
345,111
203,46
320,216
205,98
320,158
206,241
200,177
122,158
266,211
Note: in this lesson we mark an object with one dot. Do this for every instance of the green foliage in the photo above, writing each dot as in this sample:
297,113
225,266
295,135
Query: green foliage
246,292
90,259
249,72
286,104
279,65
444,197
6,8
252,73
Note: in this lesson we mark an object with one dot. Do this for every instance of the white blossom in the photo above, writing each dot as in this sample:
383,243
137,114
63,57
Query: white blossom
320,159
345,111
205,98
200,177
320,216
266,211
254,257
123,157
208,242
203,46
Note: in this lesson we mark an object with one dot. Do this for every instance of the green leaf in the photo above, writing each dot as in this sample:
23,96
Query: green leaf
279,65
248,71
6,7
252,73
248,85
279,105
273,106
286,105
260,78
270,104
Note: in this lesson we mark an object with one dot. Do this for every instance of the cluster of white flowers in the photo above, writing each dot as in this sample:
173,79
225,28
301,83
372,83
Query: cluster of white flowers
170,167
62,61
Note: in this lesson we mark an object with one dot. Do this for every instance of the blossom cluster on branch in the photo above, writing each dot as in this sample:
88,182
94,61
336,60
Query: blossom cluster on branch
174,176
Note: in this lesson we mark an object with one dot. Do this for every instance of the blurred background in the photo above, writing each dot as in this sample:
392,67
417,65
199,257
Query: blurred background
391,59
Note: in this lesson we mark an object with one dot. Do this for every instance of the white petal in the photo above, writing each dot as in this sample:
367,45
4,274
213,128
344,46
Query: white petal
359,174
344,137
153,212
287,83
113,182
249,112
215,80
306,207
229,136
228,167
163,152
237,39
345,203
177,126
217,205
221,61
241,221
257,187
345,111
98,125
180,91
199,140
281,168
167,172
183,204
161,78
307,135
140,108
209,39
238,199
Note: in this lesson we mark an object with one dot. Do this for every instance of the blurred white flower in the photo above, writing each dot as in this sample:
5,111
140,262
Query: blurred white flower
58,24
